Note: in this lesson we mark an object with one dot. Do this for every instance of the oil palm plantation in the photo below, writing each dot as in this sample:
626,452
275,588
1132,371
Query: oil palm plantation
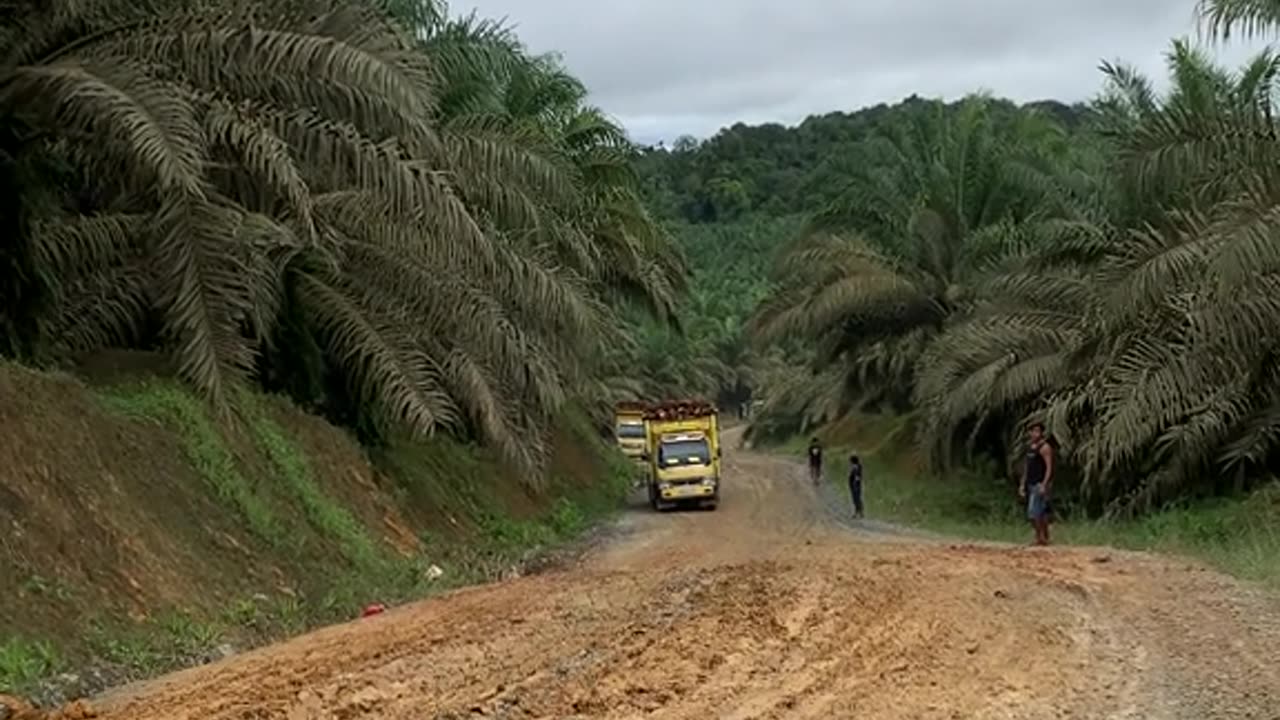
934,206
580,193
414,225
1180,393
1147,341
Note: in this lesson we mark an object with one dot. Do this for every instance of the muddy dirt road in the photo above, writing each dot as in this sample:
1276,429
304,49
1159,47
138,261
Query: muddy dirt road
770,608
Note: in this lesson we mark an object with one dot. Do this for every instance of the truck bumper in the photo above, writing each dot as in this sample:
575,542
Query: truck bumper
689,492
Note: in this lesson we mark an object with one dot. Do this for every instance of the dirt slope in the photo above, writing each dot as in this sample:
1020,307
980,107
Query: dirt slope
769,609
124,503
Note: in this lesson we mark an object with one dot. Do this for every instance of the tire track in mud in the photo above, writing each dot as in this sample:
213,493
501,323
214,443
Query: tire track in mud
769,608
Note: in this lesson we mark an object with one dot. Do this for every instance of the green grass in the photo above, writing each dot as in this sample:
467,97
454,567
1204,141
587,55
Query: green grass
439,477
465,479
168,404
325,515
962,506
174,640
566,520
1238,536
23,663
51,588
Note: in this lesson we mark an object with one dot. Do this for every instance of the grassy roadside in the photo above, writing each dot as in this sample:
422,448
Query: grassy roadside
124,651
473,524
1238,536
121,651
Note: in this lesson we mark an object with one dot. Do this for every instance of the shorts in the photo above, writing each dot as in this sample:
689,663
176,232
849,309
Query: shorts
1037,504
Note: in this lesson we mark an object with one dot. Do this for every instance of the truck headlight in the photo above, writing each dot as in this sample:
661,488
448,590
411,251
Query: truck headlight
709,481
664,486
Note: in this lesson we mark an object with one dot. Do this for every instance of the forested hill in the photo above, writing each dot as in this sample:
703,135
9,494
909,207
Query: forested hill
732,200
774,170
1108,269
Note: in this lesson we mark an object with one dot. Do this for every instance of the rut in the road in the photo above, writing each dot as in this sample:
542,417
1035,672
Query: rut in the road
778,639
766,610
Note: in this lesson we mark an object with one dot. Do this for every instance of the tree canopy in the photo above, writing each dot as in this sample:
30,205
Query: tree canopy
402,219
1106,267
776,170
1118,286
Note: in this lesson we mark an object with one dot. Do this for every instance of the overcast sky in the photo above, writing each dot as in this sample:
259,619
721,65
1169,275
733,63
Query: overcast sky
670,67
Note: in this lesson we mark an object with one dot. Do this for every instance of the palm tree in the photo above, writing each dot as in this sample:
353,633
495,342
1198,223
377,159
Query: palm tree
582,189
1251,17
932,208
302,193
581,202
1152,349
794,398
996,364
1186,375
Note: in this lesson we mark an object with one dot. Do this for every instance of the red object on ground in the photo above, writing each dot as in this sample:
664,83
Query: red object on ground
373,609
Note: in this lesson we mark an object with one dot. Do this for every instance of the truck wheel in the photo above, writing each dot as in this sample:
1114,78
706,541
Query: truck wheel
655,501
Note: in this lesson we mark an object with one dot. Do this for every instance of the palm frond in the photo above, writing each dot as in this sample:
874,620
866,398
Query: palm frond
135,120
1224,18
402,381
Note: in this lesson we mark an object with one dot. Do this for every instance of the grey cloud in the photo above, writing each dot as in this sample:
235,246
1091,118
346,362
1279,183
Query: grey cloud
667,67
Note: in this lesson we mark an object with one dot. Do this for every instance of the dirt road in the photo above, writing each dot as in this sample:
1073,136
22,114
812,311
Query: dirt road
770,608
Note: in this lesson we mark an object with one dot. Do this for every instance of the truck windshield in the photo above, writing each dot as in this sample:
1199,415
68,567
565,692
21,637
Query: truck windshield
631,432
684,452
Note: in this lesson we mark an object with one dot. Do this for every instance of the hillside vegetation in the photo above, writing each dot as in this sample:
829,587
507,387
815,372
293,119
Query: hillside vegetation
142,534
358,252
1107,268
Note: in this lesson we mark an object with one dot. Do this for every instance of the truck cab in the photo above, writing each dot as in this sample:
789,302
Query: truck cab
629,432
630,436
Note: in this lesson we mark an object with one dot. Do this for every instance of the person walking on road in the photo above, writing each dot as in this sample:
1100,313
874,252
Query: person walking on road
855,484
815,461
1037,482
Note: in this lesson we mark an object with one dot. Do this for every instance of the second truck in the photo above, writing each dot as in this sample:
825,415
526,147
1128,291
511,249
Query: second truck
629,433
682,449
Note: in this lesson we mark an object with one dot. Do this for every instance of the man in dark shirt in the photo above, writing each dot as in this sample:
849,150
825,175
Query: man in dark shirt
1037,482
855,484
815,461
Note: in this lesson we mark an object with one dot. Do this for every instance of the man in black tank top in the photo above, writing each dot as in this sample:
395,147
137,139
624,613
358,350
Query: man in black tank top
1037,481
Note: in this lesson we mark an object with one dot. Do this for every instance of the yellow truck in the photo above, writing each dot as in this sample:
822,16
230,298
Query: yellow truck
683,451
629,433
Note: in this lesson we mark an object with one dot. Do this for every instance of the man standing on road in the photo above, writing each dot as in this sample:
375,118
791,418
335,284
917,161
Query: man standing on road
855,484
1037,482
815,461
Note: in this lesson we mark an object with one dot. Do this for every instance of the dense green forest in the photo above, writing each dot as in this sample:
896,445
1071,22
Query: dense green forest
772,170
1109,268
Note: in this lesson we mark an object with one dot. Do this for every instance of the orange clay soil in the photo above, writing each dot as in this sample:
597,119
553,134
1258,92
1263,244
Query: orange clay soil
768,608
